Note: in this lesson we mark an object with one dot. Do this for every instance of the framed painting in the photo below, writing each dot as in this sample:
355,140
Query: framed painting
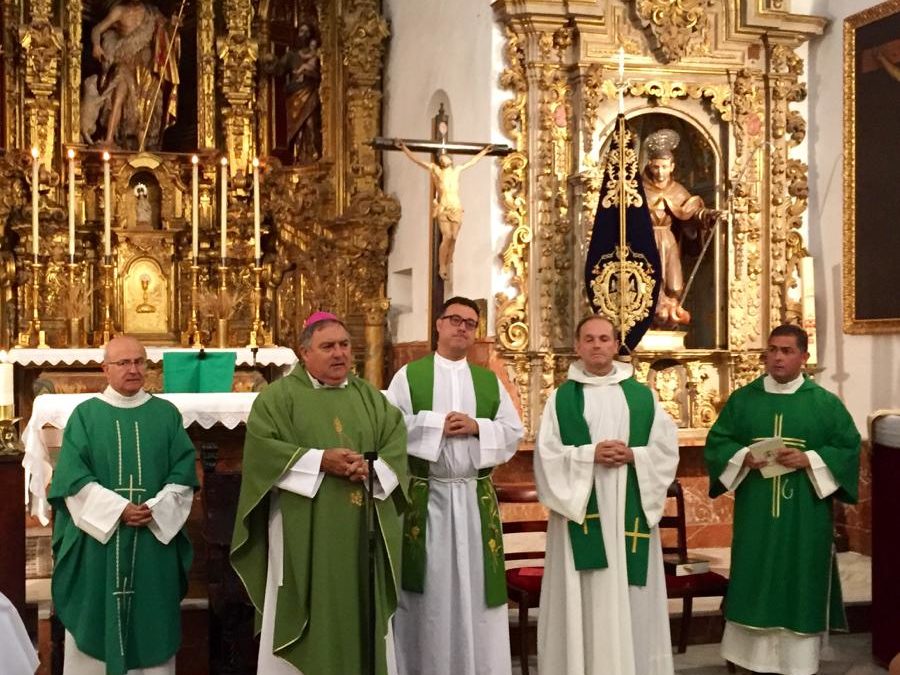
871,289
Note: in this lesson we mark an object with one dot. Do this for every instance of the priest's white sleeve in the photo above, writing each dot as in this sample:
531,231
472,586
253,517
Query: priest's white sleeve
498,438
425,429
170,509
820,475
96,510
564,474
735,471
656,463
305,476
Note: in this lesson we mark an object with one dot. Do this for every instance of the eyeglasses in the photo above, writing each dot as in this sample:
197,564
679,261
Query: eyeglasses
127,363
456,321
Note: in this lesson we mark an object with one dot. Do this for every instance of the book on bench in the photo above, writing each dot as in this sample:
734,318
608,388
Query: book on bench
677,566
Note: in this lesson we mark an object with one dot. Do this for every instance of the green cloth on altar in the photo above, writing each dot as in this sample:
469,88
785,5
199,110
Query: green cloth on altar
783,572
588,550
420,377
191,372
321,610
121,600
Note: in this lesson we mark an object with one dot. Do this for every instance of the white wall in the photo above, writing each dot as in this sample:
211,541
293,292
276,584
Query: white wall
862,369
441,50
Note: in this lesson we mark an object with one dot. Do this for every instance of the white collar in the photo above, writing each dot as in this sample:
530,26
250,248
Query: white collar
449,364
118,400
321,385
620,371
773,386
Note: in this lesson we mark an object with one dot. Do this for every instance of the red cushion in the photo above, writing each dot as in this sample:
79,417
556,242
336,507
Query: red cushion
706,584
525,579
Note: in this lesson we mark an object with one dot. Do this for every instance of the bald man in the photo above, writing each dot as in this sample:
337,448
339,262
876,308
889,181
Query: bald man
121,493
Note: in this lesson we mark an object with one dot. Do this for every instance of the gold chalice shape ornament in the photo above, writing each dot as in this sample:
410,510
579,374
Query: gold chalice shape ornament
145,307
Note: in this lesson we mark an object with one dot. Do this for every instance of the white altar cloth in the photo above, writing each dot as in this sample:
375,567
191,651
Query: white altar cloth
283,357
53,410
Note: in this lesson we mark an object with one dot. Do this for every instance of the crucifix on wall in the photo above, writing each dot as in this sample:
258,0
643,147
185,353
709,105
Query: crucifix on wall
446,206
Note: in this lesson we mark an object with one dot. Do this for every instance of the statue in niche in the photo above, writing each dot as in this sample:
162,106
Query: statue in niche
142,208
301,69
138,50
678,219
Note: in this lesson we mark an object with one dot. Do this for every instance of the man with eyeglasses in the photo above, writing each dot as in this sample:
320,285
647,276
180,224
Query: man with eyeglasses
121,493
452,615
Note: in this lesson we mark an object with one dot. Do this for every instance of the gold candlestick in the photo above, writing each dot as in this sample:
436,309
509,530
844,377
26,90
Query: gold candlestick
193,334
34,336
222,323
108,330
75,323
258,336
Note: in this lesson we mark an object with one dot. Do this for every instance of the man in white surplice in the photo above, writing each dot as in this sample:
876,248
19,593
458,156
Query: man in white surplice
595,620
452,615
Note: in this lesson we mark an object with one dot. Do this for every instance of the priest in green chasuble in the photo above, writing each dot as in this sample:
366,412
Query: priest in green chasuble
605,457
785,592
299,543
452,617
121,493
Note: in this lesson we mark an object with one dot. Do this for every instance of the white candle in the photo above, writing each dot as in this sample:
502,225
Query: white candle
621,63
257,247
71,156
621,82
808,305
223,210
7,393
107,208
195,207
35,197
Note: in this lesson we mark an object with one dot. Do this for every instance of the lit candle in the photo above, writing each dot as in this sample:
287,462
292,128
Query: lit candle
257,248
621,63
107,208
35,196
808,305
195,207
223,209
71,156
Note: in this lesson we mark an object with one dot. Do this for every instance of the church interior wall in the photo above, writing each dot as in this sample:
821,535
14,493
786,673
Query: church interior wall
449,52
864,370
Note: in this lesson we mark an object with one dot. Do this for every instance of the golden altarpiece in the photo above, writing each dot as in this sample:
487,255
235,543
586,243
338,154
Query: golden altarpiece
726,76
180,113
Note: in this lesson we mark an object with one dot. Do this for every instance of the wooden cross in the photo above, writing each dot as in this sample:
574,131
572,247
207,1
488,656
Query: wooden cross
636,535
438,146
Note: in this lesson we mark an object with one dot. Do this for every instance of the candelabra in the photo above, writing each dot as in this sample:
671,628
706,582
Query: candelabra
75,323
259,337
108,330
34,336
222,323
193,335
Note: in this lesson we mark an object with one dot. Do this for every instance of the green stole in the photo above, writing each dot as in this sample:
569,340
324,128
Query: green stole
420,376
587,538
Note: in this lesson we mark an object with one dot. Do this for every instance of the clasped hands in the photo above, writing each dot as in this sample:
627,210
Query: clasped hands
612,454
459,424
789,457
345,463
136,515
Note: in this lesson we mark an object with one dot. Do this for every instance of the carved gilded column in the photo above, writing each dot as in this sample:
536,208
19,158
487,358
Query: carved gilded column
71,127
238,53
11,81
42,45
375,313
206,76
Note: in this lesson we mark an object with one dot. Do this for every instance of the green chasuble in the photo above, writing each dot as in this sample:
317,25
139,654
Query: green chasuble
120,600
588,550
420,377
783,572
321,610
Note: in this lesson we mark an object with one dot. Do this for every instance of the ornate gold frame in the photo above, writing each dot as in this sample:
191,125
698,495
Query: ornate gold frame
853,324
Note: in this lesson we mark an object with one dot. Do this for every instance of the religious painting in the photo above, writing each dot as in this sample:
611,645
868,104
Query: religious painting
683,211
871,173
139,75
293,70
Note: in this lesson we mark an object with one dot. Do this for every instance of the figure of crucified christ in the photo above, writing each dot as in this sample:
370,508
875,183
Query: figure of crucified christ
446,207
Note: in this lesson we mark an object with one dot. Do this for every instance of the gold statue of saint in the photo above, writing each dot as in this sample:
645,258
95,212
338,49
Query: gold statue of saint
677,216
446,208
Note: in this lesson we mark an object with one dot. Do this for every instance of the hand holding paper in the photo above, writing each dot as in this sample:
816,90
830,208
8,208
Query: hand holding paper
768,450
